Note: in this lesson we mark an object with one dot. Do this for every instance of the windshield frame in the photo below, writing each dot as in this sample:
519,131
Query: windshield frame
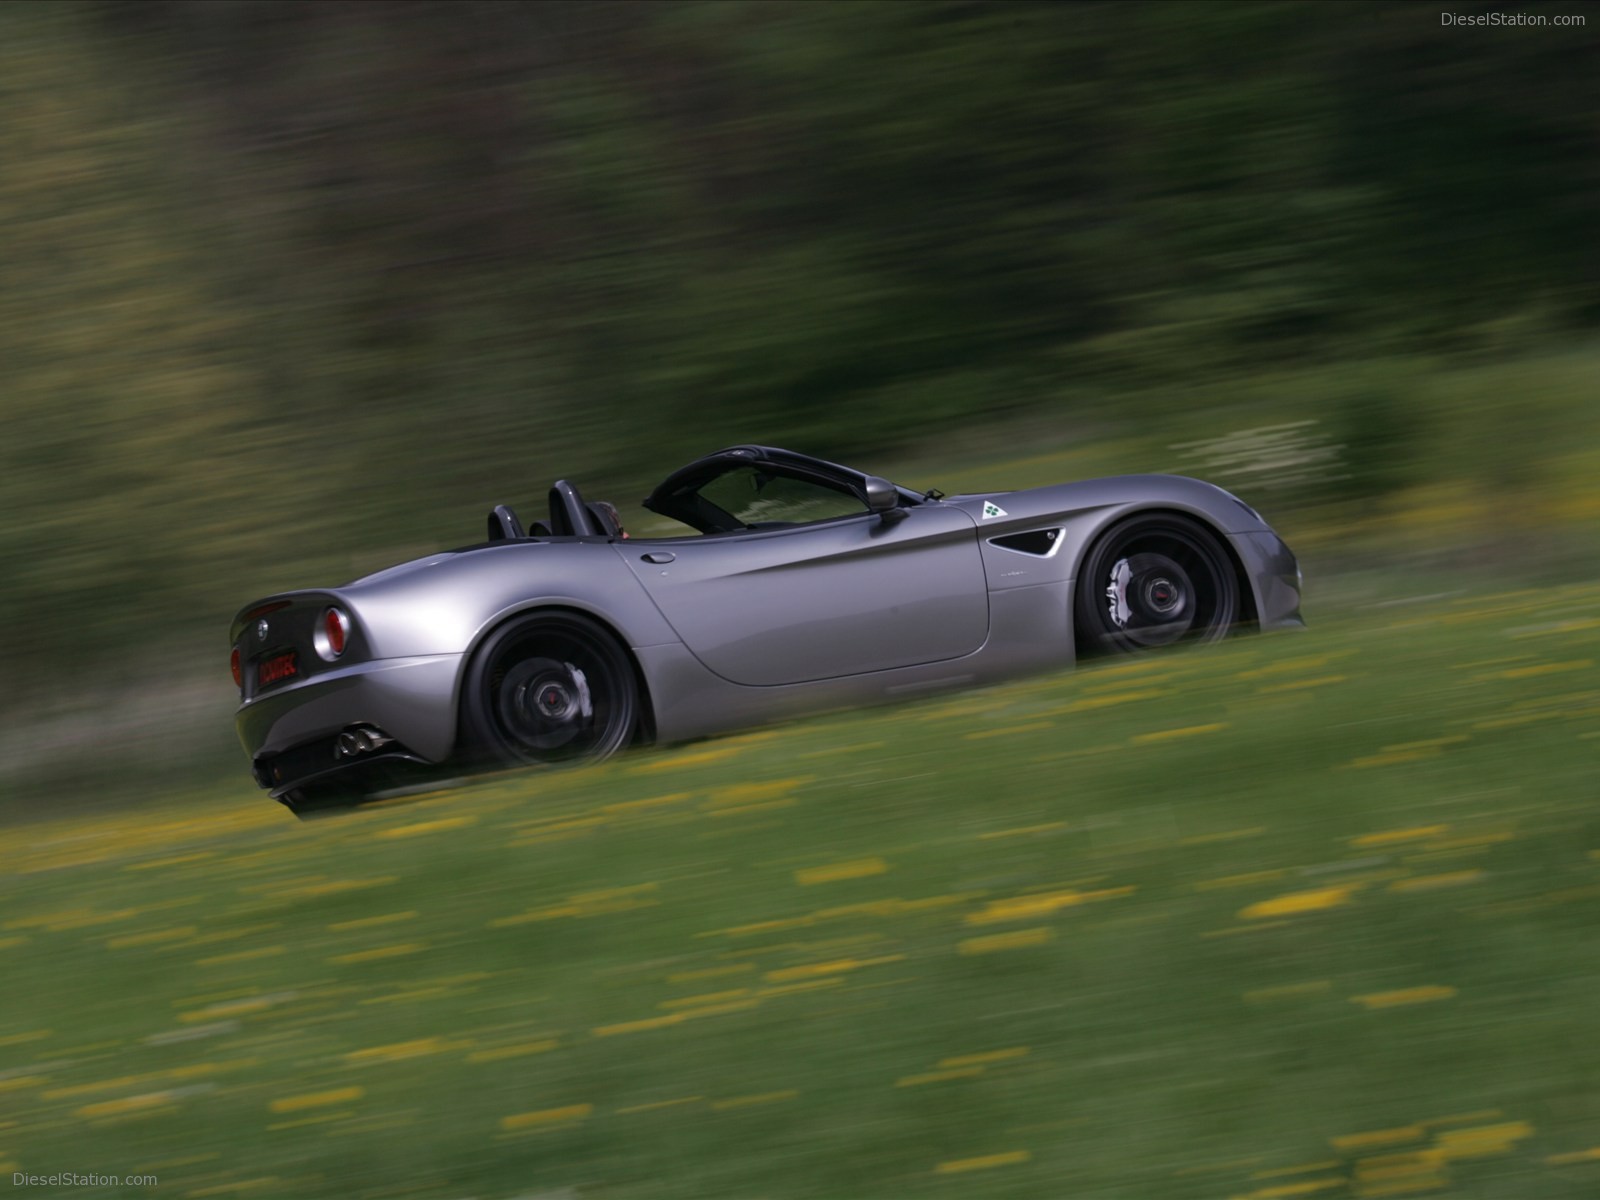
679,495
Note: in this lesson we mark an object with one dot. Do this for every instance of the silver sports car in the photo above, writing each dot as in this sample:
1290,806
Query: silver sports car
795,585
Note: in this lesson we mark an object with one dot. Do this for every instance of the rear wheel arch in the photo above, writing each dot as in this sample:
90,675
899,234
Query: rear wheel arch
645,729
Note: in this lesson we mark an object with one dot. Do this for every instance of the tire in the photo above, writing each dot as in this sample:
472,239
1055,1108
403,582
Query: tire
1155,581
545,689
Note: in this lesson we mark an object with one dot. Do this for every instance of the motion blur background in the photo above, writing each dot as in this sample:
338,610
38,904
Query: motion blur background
289,292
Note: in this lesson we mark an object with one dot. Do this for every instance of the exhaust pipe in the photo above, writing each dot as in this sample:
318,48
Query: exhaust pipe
358,740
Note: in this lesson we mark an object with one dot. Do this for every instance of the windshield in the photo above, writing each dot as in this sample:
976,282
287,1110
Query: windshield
764,487
731,497
756,497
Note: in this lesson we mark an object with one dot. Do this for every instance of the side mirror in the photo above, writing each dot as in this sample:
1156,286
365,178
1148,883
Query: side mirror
882,496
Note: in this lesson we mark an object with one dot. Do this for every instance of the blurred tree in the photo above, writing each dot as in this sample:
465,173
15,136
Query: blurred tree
129,396
806,217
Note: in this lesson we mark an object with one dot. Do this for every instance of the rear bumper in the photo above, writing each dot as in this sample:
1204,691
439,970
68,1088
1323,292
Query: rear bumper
1274,575
315,763
412,700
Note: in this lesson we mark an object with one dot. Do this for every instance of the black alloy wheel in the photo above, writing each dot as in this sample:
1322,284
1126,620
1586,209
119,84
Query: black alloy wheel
1154,581
549,688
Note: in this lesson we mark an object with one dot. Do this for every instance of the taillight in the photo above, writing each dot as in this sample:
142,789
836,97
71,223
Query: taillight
332,633
238,675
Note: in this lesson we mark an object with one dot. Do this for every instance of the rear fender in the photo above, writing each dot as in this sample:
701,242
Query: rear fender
647,723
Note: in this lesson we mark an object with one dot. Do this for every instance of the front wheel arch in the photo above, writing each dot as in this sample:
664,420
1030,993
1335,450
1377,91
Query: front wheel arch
1248,616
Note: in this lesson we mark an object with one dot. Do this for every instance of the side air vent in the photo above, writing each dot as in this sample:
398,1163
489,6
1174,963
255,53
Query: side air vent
1041,543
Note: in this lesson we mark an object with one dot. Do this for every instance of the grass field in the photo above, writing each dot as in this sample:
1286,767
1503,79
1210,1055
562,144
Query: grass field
1300,915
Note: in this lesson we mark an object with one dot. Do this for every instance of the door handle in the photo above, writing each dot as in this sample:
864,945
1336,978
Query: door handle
659,556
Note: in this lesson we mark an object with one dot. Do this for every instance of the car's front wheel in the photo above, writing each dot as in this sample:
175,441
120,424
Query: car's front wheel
1153,581
548,688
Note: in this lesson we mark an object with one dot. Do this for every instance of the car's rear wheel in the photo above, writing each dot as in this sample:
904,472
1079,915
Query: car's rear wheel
548,688
1154,581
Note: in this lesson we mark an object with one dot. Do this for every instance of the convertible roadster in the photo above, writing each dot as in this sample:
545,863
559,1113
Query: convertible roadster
795,585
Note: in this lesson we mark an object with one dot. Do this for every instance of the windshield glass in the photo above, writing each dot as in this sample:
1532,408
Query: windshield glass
756,497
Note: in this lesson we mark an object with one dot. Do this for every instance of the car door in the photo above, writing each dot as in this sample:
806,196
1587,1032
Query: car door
838,597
